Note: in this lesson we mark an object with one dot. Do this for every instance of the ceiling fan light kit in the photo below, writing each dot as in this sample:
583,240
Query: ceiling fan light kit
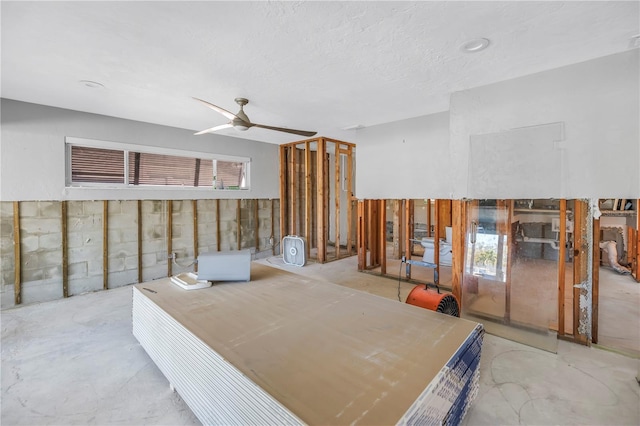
240,121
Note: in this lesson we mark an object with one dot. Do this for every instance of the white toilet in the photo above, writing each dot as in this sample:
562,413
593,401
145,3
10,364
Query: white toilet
445,248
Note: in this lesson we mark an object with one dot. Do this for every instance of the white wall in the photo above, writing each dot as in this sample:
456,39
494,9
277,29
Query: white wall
597,103
405,159
32,155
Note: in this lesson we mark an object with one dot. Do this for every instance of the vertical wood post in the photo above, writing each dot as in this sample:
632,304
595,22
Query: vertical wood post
139,220
637,252
360,235
218,243
407,226
428,217
65,249
562,266
595,280
283,192
459,225
105,245
238,220
169,238
273,235
438,229
194,203
308,195
293,191
397,229
382,241
256,212
17,264
321,205
349,200
337,194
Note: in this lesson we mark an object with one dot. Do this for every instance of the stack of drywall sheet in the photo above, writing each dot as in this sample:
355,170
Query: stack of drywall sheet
286,349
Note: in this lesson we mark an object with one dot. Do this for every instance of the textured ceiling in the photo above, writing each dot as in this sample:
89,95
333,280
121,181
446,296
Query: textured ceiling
321,66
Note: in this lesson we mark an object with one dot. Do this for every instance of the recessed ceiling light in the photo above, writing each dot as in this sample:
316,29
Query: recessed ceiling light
92,84
475,45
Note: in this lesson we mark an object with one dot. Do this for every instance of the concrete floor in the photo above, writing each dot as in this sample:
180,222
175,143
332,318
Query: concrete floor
75,361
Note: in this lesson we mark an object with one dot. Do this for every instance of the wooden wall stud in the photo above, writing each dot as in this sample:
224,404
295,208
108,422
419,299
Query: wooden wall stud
17,282
105,245
65,249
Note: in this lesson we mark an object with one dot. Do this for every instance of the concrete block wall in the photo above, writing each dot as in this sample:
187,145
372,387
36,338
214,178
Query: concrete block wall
122,243
228,225
41,239
41,250
182,242
154,239
85,242
207,242
247,224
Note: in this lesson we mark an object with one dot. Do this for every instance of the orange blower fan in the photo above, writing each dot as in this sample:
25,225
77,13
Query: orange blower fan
445,303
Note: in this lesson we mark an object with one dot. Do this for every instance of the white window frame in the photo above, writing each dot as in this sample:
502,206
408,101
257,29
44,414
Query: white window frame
127,147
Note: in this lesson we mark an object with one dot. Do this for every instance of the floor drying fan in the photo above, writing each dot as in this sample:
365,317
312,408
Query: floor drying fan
293,252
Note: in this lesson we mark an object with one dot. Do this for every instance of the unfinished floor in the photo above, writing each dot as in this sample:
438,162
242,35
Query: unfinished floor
75,361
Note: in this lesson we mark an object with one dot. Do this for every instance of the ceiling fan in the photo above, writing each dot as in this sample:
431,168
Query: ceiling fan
240,121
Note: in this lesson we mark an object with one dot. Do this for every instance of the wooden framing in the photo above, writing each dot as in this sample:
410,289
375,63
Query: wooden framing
337,196
105,245
504,227
408,233
256,212
595,280
218,242
397,229
306,187
561,266
350,200
17,261
308,195
437,234
283,191
272,237
321,205
459,224
194,204
382,216
360,237
169,238
636,249
139,218
65,249
238,227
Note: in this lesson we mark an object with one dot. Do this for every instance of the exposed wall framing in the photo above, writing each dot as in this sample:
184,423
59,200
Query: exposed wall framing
316,189
58,249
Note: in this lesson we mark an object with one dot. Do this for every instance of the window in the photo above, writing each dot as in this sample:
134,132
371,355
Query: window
104,166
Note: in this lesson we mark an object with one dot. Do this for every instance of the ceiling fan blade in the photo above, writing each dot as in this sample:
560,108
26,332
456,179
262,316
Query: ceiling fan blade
282,129
214,129
222,111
